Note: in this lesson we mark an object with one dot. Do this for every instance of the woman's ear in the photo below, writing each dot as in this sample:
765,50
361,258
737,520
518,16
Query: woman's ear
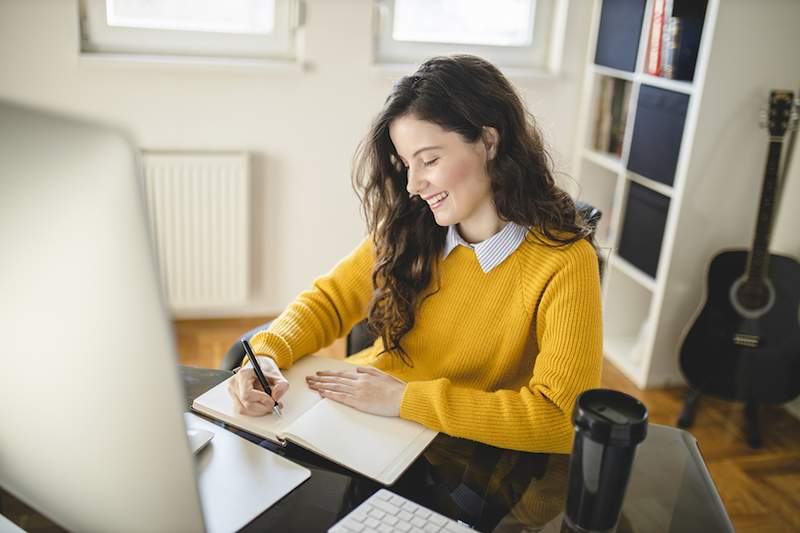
490,141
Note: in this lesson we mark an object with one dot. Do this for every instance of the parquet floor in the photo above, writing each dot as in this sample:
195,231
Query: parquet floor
760,488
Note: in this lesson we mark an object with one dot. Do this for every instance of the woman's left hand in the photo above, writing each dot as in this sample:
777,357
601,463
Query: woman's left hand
367,389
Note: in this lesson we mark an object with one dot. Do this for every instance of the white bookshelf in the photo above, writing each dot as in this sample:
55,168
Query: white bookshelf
745,51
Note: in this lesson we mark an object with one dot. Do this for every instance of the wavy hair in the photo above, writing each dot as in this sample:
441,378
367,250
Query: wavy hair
461,94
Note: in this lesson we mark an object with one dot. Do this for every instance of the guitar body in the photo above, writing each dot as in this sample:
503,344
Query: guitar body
737,353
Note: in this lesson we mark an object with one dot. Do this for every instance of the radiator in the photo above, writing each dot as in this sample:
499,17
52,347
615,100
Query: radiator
198,207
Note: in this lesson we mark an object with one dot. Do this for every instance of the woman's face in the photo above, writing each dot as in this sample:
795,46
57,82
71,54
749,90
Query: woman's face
448,173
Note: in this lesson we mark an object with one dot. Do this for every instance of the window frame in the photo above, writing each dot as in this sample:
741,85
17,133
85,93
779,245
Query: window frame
283,45
542,58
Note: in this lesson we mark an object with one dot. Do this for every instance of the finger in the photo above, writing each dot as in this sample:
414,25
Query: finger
334,386
347,399
259,396
369,370
279,389
326,379
331,373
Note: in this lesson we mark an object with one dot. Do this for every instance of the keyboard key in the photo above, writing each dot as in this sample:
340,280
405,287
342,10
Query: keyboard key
422,513
417,530
358,515
390,520
437,519
410,506
386,507
385,529
402,526
371,522
397,500
405,516
352,525
455,527
419,522
376,513
432,528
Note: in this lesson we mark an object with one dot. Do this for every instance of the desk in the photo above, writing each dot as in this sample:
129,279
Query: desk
499,490
493,489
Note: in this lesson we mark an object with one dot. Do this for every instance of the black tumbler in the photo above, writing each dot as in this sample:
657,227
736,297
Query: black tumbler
608,426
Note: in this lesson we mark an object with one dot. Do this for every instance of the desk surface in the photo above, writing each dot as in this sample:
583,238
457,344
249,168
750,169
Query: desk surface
498,490
493,489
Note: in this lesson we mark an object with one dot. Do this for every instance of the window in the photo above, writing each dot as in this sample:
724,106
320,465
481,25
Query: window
516,34
242,29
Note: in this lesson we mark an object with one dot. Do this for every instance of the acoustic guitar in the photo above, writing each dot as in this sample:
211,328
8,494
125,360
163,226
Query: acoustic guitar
745,342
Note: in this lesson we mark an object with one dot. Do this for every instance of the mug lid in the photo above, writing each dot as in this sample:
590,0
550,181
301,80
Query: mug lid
611,417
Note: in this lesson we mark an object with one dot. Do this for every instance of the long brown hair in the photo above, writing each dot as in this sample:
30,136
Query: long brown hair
461,94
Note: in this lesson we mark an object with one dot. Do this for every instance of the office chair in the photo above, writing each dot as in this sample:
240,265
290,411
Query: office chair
360,337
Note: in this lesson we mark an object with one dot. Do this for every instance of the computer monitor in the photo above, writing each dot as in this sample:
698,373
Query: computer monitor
91,426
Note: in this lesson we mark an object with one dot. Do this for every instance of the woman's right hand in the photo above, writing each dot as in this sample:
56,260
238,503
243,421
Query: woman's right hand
249,397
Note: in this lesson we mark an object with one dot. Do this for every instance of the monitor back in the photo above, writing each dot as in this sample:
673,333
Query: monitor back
90,399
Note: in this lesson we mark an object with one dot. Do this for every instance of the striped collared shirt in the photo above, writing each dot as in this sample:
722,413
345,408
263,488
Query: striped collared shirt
493,250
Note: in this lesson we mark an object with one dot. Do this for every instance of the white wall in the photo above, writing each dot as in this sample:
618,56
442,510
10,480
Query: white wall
302,127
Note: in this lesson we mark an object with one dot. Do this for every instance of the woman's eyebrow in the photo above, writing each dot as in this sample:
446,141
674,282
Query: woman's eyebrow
425,148
419,151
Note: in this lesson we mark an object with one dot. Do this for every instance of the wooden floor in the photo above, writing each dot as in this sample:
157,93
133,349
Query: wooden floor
760,488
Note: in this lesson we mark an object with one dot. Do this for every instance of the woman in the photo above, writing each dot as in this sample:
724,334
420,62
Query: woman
478,274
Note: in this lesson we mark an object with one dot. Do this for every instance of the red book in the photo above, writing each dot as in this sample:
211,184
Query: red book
653,60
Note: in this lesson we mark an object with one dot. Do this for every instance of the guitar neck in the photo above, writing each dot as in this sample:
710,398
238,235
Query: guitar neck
759,255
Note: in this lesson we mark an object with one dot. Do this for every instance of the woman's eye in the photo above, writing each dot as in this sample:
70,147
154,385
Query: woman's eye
431,162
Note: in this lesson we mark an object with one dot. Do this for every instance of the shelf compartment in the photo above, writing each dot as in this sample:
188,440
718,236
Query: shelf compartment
657,133
597,186
673,41
644,220
626,309
612,96
619,34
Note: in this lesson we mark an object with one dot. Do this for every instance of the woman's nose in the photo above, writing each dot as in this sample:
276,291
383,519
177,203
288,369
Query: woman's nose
413,186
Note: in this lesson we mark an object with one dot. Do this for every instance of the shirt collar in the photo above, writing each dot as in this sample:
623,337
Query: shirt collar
493,250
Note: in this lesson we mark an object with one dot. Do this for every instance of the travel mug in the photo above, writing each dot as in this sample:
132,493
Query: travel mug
608,426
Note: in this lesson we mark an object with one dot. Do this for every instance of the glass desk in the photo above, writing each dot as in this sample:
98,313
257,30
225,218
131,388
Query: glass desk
497,490
492,489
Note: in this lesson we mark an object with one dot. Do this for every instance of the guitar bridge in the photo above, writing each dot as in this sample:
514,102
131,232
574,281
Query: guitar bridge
748,341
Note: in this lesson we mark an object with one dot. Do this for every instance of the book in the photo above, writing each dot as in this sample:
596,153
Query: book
653,62
379,447
669,51
617,118
603,129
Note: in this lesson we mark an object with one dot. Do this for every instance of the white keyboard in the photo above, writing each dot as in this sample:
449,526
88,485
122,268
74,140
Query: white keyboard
387,512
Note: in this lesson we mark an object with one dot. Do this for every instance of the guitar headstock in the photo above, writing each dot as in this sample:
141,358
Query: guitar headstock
782,113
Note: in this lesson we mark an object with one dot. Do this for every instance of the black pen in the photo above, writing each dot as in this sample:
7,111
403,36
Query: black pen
260,375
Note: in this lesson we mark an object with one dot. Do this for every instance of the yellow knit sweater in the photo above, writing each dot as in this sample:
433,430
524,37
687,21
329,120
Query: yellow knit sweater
498,357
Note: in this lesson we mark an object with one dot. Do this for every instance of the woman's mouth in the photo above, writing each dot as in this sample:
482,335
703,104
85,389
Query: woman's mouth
435,201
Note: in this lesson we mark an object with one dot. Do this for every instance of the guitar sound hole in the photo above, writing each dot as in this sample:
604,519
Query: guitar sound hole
753,296
752,299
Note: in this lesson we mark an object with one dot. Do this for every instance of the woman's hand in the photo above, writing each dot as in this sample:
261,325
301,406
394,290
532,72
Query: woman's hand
249,397
367,389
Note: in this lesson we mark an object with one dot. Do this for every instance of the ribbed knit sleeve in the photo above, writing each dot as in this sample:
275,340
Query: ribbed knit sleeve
537,417
322,314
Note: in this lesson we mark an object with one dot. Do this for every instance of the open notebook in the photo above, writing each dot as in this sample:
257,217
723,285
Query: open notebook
378,447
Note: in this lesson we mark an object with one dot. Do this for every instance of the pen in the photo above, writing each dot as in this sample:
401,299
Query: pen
260,375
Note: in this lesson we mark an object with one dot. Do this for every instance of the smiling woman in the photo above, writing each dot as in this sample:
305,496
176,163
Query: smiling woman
478,275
